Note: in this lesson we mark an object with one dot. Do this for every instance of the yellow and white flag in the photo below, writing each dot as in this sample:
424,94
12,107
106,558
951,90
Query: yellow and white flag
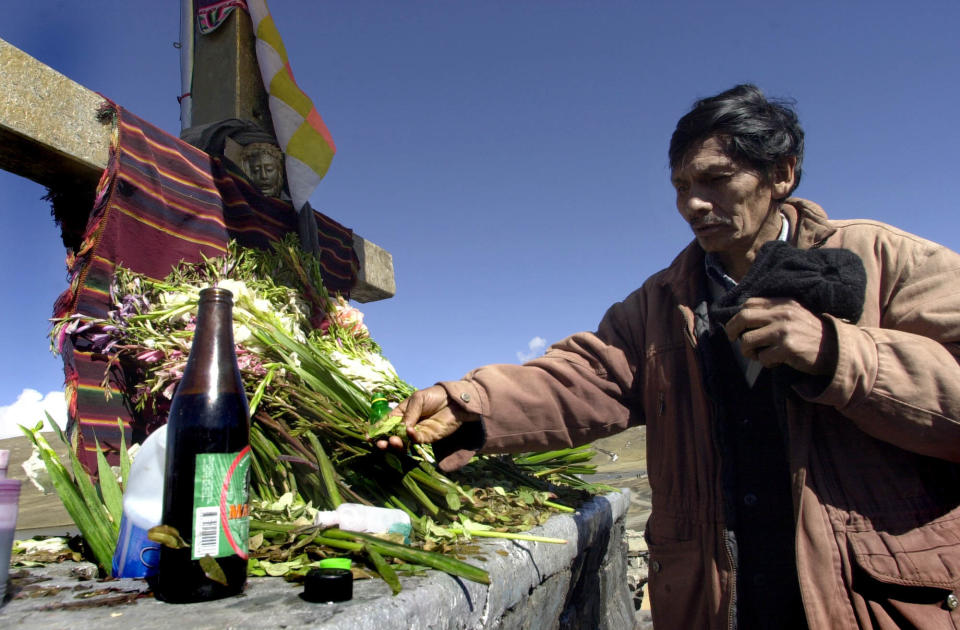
302,134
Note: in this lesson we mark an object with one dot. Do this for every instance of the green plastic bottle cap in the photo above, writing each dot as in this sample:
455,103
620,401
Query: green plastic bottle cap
335,563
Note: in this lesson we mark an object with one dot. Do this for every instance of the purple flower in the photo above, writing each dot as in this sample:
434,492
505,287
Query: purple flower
150,356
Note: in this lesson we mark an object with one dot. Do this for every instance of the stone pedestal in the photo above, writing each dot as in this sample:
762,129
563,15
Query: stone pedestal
535,586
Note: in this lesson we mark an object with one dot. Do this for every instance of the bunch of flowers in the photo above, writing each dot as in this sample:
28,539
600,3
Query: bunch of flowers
310,369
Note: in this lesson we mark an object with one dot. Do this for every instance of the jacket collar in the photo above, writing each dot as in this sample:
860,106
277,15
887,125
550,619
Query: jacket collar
812,227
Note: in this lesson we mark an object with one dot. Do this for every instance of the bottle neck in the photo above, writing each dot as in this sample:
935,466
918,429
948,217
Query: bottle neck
212,366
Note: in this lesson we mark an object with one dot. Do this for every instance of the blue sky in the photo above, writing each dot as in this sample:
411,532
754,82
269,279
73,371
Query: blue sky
511,155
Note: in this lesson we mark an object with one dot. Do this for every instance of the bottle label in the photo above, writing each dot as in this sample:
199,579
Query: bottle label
221,505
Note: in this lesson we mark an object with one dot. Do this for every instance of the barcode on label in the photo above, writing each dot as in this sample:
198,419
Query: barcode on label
206,538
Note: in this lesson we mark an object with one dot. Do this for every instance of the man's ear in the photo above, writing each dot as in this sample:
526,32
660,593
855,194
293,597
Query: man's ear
784,176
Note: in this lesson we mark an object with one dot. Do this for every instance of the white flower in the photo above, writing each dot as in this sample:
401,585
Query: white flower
238,288
369,372
381,364
173,299
241,334
262,305
36,471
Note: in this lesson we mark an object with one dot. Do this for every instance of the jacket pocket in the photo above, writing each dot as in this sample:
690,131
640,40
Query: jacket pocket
676,582
908,580
925,556
676,586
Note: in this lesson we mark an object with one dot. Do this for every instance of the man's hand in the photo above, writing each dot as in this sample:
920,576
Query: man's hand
428,416
779,331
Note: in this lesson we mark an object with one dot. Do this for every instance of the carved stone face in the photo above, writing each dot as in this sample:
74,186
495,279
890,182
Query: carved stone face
263,164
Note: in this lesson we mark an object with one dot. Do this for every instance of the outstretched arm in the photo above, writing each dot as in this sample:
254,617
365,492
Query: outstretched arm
575,393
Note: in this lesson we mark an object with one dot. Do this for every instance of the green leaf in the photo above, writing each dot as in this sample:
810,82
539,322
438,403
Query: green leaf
57,429
327,473
168,536
90,496
261,388
393,461
211,569
410,484
387,426
101,543
417,556
124,455
384,569
109,490
278,569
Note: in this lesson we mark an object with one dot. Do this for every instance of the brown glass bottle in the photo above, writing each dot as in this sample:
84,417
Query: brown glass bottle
206,482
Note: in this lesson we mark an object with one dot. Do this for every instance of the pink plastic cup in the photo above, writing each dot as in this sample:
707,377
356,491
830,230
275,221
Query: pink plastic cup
9,502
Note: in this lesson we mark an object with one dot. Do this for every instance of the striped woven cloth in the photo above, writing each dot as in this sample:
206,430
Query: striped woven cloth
212,13
302,134
161,201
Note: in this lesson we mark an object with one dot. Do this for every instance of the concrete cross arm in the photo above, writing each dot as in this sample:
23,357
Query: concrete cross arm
49,133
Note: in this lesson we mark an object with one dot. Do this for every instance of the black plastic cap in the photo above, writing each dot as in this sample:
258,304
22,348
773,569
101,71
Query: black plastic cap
328,585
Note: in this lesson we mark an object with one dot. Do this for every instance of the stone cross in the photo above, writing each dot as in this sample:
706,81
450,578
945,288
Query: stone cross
49,133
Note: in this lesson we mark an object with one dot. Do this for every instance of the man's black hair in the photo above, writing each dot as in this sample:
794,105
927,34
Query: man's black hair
757,132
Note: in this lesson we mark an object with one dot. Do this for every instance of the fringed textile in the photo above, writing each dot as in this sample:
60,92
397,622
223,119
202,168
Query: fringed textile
161,201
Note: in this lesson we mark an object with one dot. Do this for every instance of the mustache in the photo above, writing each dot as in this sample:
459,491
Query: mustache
709,222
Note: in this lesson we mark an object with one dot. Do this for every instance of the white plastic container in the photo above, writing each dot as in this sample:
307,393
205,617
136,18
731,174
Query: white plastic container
4,462
136,555
9,504
366,518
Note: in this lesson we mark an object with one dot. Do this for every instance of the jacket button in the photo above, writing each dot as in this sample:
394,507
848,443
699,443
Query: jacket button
750,499
655,566
465,397
953,602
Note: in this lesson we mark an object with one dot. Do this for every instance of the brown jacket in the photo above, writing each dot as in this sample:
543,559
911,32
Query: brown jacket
874,457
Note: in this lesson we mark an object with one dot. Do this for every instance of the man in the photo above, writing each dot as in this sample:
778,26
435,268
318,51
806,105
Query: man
827,500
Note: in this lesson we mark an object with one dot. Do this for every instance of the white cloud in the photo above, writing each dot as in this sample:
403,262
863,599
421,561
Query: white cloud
28,410
535,348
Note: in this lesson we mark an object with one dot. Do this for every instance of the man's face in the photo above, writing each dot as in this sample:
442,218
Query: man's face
264,170
725,203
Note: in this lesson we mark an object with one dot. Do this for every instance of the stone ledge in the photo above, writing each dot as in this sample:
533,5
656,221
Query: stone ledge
535,586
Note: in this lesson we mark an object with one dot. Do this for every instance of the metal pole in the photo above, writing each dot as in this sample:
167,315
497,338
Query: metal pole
187,30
